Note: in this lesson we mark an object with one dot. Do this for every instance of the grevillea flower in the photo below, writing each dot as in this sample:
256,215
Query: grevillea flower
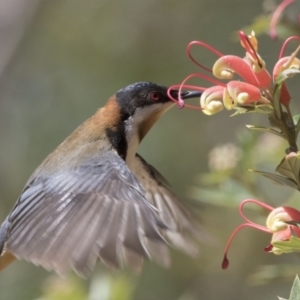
257,85
282,223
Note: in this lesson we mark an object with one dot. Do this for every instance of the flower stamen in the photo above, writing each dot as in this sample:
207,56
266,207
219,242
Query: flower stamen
276,15
204,45
250,48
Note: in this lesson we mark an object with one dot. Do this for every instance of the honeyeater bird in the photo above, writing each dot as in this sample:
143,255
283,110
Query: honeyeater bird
95,198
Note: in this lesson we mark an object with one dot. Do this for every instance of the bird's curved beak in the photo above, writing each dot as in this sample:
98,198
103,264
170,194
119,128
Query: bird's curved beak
190,94
186,94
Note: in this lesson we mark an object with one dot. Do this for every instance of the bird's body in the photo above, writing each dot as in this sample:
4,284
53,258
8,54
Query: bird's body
95,197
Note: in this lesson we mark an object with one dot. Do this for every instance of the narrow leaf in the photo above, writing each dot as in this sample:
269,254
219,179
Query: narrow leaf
265,129
293,245
296,119
264,108
295,292
239,110
278,179
261,108
290,168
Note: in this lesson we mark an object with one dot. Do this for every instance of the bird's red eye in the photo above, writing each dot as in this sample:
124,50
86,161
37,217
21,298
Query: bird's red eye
154,96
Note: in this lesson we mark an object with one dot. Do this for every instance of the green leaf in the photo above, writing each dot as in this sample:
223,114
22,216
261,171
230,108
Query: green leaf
265,129
296,119
293,245
239,110
290,168
278,179
264,108
261,108
295,291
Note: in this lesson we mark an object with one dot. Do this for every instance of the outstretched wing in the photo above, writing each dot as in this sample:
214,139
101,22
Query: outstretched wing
171,211
71,219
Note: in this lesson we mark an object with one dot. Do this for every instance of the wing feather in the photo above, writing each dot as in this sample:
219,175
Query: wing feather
171,211
89,212
130,241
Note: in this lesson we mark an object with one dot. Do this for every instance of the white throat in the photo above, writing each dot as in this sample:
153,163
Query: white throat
134,122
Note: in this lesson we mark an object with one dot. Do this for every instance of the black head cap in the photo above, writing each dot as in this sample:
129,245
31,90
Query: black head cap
141,94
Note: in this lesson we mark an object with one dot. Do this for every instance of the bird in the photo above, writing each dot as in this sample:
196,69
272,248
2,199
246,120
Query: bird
95,198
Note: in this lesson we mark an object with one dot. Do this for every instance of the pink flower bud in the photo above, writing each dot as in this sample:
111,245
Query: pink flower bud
226,66
211,100
243,92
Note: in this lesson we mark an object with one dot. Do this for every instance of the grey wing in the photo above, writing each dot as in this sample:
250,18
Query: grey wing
171,211
72,219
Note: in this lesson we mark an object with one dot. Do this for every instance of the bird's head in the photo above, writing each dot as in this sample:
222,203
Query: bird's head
147,96
142,103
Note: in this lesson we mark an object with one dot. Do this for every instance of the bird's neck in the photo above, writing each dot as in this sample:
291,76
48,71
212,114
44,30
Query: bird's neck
137,126
133,140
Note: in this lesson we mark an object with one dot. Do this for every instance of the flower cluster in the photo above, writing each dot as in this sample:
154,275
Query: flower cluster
282,223
258,91
257,87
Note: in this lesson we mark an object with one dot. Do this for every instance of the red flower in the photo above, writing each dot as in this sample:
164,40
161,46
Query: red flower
258,84
282,223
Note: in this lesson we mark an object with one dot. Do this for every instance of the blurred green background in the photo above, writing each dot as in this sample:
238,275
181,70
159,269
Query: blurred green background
61,60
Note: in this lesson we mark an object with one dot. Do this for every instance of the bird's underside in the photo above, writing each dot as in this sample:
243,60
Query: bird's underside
101,210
